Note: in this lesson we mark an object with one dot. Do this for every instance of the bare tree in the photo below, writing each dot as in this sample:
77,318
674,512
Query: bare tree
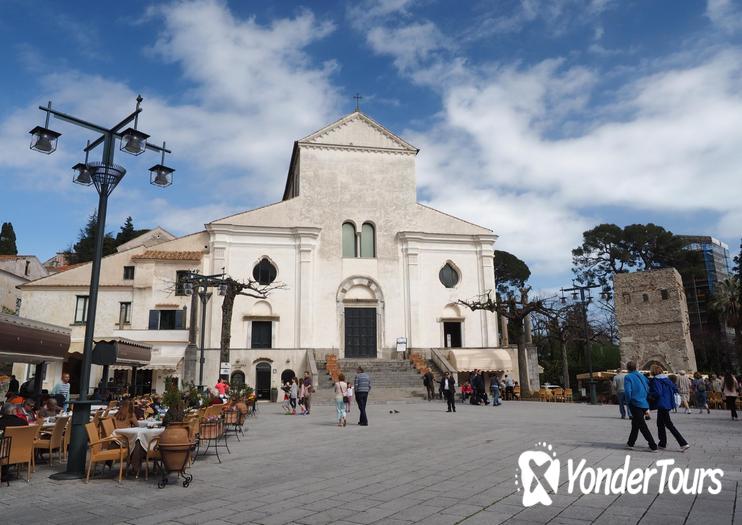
560,323
516,310
231,288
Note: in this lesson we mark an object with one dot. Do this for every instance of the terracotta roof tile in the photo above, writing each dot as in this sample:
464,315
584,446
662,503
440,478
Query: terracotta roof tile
160,255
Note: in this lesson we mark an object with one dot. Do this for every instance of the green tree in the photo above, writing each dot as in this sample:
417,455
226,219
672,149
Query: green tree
511,273
128,232
7,240
608,249
603,252
84,249
726,303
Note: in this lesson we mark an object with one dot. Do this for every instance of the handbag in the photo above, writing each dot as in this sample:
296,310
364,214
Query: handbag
677,400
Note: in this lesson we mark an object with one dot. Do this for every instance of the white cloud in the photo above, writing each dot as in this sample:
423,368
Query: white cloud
724,14
409,45
532,141
253,88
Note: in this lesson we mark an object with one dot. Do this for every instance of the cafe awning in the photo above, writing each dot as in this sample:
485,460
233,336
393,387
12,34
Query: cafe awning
597,376
165,363
121,352
26,341
485,359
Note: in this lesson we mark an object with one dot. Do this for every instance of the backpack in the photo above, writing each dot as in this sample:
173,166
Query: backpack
700,385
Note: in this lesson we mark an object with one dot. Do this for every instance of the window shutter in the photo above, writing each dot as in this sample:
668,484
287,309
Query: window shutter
180,319
154,319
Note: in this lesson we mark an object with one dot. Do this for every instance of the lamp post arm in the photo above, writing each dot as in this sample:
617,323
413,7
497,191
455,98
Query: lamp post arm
76,121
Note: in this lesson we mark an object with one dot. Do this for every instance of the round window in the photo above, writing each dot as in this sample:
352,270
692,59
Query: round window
449,276
264,272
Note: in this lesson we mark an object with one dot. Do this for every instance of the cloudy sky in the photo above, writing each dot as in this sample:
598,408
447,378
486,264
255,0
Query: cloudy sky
538,119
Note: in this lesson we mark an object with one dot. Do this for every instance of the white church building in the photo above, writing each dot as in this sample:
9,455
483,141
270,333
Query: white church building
363,265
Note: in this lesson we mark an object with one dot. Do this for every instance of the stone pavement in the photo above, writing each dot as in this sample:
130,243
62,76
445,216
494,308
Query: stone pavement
422,465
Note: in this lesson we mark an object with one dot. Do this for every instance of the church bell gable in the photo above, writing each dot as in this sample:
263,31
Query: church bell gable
358,131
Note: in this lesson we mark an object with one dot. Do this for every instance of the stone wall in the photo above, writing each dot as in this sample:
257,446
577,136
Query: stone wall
652,316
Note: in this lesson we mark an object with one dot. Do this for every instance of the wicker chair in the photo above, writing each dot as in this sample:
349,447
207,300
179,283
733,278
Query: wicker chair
558,395
49,442
568,395
22,447
100,454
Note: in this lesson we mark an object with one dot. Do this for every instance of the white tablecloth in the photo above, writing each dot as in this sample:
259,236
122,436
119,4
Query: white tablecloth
146,423
143,435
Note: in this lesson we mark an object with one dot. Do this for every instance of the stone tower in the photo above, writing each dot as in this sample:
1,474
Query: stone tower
652,316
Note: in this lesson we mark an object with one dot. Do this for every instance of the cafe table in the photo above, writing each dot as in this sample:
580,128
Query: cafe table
140,440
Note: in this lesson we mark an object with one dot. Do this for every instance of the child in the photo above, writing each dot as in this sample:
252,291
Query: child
349,396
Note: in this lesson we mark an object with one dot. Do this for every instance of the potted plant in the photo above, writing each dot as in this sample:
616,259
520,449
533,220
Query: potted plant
175,441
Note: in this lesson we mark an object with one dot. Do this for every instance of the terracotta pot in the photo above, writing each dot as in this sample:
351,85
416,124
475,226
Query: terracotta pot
175,446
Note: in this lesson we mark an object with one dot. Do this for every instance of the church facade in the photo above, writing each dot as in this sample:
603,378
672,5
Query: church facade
362,267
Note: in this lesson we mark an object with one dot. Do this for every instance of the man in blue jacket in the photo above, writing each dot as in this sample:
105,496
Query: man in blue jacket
662,393
636,391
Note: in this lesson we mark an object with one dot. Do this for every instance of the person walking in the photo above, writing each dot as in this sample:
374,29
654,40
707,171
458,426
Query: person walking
731,387
349,397
636,388
428,382
293,394
308,390
495,388
448,387
509,388
662,394
361,389
61,392
684,386
341,398
701,393
620,393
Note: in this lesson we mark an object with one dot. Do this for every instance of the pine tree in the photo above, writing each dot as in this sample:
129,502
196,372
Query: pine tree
84,249
128,232
7,240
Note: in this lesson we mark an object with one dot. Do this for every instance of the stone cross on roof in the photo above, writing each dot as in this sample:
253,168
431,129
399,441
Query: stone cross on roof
358,98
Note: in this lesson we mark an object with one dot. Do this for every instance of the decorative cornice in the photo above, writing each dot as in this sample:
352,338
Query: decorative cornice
354,148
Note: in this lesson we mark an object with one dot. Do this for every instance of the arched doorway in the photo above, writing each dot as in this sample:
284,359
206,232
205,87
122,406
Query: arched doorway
263,380
237,380
287,375
360,306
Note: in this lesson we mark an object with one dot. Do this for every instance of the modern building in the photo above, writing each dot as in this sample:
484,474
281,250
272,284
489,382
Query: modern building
652,316
714,347
362,266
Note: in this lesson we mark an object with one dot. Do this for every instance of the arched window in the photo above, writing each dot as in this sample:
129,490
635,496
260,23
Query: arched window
368,240
264,272
449,276
349,240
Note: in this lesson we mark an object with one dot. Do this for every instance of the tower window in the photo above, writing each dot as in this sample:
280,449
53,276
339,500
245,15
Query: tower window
368,240
349,240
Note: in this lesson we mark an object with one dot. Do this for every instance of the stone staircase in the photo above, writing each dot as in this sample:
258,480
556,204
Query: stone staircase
391,379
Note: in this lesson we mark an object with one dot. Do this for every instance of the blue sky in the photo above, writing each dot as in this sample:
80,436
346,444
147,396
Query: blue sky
536,119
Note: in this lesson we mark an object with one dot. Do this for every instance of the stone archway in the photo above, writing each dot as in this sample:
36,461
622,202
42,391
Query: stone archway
360,315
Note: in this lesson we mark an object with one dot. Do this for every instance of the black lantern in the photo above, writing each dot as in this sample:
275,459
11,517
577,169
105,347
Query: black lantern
575,296
563,299
134,141
159,174
83,175
43,139
223,289
188,288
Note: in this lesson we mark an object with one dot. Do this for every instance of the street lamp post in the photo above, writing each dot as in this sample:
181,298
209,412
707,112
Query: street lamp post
585,298
200,284
105,176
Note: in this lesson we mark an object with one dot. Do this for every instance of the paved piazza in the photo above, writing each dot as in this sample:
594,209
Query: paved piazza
421,465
